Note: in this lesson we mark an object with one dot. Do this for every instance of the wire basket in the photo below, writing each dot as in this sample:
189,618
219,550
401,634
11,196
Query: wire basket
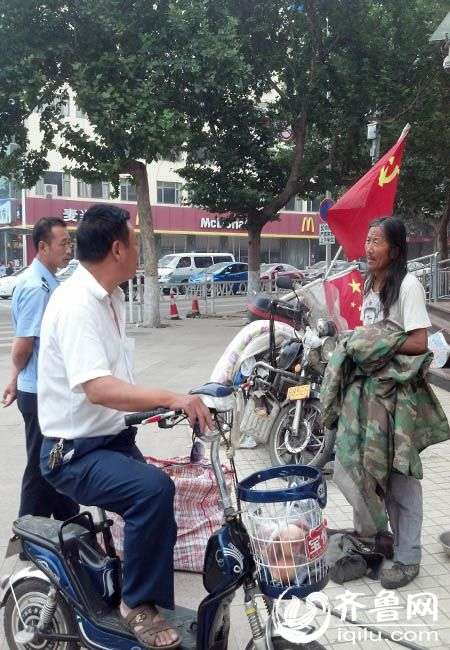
283,512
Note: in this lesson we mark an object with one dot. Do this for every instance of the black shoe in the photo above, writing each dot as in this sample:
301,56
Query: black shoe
399,575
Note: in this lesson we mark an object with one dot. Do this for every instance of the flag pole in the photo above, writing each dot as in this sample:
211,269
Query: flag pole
333,262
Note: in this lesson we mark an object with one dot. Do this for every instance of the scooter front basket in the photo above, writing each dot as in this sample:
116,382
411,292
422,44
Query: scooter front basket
283,513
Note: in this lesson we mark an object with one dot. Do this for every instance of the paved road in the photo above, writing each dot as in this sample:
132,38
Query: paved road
181,356
6,331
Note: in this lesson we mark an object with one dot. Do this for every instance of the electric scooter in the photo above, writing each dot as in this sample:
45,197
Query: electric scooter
69,596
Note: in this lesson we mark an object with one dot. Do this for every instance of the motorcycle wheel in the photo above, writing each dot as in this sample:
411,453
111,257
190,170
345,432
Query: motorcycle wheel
287,449
31,597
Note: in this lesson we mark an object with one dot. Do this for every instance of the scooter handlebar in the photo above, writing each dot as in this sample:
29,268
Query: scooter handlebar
138,418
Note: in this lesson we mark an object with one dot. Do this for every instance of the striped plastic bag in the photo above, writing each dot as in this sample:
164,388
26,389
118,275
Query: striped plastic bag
197,510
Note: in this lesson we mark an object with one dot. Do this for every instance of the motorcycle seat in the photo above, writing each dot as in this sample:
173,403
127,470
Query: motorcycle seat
212,389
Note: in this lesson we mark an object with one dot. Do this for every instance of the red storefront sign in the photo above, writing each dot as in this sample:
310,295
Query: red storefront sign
177,220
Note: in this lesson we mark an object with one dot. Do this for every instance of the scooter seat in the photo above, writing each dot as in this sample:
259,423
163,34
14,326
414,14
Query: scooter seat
213,390
45,531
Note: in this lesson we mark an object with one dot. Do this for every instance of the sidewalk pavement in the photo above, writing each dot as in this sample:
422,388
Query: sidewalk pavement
180,357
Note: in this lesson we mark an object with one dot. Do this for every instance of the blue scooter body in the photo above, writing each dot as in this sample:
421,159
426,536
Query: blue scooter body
89,579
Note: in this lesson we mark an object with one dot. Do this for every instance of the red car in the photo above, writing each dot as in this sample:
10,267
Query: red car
270,271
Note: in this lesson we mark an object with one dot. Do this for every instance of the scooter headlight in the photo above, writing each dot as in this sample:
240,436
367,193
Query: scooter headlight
328,347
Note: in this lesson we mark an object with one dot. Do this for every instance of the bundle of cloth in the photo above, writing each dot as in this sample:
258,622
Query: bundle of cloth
255,334
386,415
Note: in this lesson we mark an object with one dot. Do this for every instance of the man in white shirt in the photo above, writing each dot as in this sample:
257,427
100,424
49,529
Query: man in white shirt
85,386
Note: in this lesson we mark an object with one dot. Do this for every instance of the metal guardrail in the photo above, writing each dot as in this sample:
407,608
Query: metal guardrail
214,298
443,279
435,276
221,298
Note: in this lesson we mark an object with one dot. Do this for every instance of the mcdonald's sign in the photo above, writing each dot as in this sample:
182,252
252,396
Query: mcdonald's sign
308,225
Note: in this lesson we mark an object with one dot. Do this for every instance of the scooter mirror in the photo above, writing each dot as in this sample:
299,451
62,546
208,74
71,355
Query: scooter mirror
284,282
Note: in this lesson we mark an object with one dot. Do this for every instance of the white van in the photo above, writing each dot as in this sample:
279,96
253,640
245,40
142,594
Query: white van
177,267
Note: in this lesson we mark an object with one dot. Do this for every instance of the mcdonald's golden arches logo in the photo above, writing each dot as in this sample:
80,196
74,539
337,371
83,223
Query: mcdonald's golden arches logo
308,225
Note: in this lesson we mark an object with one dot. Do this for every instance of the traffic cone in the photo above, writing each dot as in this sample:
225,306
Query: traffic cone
195,309
173,312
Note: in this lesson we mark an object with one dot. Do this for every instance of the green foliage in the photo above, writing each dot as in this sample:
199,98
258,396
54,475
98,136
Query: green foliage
134,70
329,67
157,77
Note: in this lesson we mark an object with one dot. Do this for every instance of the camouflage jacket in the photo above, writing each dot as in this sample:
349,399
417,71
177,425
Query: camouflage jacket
385,412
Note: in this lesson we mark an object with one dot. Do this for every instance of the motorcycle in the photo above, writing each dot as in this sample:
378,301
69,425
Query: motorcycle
268,361
297,435
69,596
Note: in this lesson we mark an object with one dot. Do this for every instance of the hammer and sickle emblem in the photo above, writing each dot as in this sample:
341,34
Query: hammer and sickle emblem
386,176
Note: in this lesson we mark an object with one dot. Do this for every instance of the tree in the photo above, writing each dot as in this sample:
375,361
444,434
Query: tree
425,180
324,68
132,68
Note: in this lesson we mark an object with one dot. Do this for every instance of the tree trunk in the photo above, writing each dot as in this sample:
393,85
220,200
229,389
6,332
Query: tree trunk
442,231
151,287
254,258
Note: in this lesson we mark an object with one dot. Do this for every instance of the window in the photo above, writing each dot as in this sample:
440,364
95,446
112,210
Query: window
290,205
65,108
39,187
4,188
8,189
82,189
97,190
312,206
184,263
168,192
60,179
79,112
66,184
127,190
293,205
100,190
202,262
222,258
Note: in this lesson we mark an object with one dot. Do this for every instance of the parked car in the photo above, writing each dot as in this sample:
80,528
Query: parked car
417,268
223,272
422,273
178,267
8,283
67,271
318,269
269,272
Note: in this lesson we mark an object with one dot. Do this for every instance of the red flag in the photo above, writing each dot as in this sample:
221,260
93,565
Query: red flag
371,197
343,297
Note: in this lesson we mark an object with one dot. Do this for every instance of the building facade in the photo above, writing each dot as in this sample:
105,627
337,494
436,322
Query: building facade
178,227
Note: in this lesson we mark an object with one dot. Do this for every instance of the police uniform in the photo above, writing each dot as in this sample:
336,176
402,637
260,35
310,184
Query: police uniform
29,301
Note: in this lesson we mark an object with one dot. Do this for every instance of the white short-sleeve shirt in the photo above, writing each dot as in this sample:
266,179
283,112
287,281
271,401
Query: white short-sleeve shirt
80,341
409,312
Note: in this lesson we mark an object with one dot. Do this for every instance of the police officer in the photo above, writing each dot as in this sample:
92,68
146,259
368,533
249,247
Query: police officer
30,298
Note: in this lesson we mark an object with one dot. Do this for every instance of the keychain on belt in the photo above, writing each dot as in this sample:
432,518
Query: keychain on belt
55,458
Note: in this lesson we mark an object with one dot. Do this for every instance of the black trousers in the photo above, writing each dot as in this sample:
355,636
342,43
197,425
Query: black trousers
38,497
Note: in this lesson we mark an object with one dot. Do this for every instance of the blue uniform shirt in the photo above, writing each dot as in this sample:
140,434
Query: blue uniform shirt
30,299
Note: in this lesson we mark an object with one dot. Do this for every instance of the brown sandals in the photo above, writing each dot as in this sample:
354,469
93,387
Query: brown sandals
141,622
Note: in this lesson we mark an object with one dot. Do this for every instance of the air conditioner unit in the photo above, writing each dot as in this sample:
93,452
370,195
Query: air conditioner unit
50,191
